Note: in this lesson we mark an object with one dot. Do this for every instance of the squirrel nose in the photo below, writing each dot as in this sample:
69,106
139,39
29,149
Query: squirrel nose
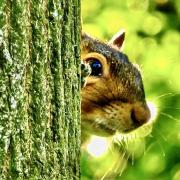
140,114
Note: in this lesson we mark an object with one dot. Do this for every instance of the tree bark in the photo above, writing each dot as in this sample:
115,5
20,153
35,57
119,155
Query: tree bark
39,89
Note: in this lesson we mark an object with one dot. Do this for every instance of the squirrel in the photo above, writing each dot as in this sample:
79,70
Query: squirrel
113,97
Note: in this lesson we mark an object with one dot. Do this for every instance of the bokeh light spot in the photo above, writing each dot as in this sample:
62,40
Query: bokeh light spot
138,5
153,109
152,25
97,146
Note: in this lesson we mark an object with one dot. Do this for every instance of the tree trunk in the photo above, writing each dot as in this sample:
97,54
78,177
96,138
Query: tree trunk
39,89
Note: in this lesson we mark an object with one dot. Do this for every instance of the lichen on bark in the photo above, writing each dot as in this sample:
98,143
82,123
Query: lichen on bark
39,89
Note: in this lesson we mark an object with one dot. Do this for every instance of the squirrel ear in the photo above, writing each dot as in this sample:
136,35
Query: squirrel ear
118,39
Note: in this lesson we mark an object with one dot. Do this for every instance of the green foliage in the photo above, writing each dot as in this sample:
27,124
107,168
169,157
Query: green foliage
152,41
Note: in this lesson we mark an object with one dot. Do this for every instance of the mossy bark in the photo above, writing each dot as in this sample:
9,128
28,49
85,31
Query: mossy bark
39,89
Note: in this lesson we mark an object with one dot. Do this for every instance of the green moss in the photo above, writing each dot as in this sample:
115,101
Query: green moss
39,90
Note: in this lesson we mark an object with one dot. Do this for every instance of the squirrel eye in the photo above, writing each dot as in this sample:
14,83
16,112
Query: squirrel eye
96,67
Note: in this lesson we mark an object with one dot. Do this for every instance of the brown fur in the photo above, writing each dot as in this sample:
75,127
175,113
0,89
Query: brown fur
115,101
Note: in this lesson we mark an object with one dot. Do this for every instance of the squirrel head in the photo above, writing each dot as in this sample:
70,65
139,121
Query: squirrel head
113,99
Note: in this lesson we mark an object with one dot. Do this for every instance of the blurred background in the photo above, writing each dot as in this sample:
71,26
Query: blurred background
152,41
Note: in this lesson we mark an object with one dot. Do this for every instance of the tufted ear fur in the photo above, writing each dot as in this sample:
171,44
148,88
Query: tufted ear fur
117,40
